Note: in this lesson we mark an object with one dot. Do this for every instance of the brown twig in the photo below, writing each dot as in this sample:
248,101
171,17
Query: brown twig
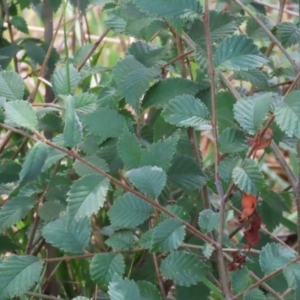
159,276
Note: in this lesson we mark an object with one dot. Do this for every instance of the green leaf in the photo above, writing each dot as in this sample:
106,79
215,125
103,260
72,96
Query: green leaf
254,294
105,265
73,128
11,85
248,177
129,149
272,218
288,34
34,161
21,113
19,23
133,79
61,83
147,54
187,111
18,274
287,114
255,77
239,279
183,268
53,156
129,211
9,171
14,210
148,290
87,196
51,210
255,31
232,140
226,167
221,25
208,220
123,289
146,239
160,154
292,276
96,123
250,112
149,180
82,169
167,236
274,256
85,102
170,8
178,211
186,173
207,250
238,52
163,91
122,240
73,238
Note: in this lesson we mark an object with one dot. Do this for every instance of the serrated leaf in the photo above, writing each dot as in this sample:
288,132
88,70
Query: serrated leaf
148,290
14,210
122,240
34,161
123,289
96,123
221,25
160,154
255,77
87,196
274,256
129,211
147,54
288,34
61,83
287,114
53,156
149,180
18,274
170,8
73,128
238,52
85,102
51,210
187,111
292,276
227,165
133,79
207,250
9,171
167,236
185,172
208,220
255,31
105,265
239,279
163,91
178,211
183,268
129,149
248,177
19,23
232,140
11,85
250,112
146,239
73,238
21,113
254,294
83,170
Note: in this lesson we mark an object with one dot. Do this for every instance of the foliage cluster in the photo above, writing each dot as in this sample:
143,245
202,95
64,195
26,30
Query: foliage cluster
123,179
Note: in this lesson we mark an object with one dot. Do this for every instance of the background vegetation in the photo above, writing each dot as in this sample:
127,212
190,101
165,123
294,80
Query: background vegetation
149,149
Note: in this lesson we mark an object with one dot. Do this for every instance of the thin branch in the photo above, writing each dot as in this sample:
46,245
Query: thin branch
5,140
290,12
223,269
93,49
269,33
159,276
265,278
113,180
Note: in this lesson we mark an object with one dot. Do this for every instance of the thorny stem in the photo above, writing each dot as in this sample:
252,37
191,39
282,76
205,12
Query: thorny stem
114,181
223,270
